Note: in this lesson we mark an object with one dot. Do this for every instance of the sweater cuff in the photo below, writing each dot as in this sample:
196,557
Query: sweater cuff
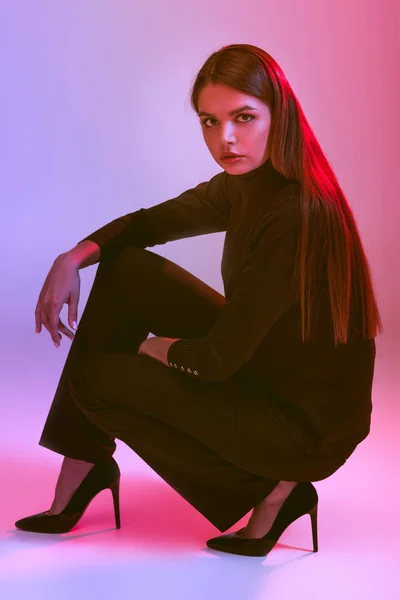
182,356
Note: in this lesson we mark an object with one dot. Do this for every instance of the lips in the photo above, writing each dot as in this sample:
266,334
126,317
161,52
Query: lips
232,156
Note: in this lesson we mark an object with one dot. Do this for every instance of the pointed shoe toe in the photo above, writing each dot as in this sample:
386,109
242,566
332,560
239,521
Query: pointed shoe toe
44,523
232,543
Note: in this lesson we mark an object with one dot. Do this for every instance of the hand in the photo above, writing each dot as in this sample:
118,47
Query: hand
61,286
157,347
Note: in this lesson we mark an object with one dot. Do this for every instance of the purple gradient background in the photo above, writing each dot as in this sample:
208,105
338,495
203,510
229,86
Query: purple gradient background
95,123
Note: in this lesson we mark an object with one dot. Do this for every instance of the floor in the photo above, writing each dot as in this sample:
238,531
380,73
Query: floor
160,550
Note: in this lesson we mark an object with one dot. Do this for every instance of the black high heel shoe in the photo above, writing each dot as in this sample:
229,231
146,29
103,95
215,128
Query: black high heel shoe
301,501
100,477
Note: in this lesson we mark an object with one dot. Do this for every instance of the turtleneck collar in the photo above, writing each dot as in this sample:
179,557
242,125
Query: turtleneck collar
264,174
263,169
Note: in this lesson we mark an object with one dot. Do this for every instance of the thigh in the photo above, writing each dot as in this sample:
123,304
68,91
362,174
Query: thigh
230,417
167,299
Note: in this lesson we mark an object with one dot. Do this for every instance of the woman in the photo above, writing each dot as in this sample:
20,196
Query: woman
239,401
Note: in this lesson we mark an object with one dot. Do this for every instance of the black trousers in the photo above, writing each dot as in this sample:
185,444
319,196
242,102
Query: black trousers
211,442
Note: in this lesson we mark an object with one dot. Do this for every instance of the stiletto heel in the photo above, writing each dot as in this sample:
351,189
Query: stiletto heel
114,487
313,517
100,477
301,501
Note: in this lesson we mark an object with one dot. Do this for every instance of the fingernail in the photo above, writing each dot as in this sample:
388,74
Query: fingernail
56,345
74,325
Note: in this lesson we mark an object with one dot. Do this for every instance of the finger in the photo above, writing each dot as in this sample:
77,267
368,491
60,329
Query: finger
46,321
73,312
38,320
65,330
43,321
53,316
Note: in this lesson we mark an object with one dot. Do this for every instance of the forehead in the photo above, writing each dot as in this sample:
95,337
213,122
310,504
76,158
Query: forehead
215,97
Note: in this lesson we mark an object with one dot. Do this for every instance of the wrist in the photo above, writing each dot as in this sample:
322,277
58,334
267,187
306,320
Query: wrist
68,258
83,254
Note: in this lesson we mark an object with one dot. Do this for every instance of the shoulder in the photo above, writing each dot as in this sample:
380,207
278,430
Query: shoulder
216,180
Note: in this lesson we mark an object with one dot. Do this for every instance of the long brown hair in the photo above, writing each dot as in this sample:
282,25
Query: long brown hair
329,240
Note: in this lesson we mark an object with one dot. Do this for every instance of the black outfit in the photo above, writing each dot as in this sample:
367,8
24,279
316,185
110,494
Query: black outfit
244,402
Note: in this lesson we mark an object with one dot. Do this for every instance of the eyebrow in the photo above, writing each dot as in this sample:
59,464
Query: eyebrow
233,112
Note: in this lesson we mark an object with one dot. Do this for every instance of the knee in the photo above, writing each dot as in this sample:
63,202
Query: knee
126,260
129,267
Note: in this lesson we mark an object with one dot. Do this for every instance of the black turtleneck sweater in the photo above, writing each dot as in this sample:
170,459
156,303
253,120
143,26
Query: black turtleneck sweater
320,392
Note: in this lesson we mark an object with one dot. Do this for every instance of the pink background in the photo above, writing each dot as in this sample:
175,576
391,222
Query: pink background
96,122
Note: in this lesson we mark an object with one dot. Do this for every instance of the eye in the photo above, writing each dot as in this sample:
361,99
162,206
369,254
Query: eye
204,121
246,115
250,118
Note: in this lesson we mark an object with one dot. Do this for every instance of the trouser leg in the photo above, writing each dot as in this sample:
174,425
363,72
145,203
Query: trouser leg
135,291
66,430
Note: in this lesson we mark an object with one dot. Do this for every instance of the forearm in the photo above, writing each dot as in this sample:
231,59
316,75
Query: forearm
84,254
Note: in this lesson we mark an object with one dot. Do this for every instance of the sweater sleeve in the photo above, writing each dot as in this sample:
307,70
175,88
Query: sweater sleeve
197,211
263,291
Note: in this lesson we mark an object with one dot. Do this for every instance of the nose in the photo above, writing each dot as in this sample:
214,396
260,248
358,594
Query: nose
228,135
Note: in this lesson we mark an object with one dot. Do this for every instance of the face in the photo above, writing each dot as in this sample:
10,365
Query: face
234,122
